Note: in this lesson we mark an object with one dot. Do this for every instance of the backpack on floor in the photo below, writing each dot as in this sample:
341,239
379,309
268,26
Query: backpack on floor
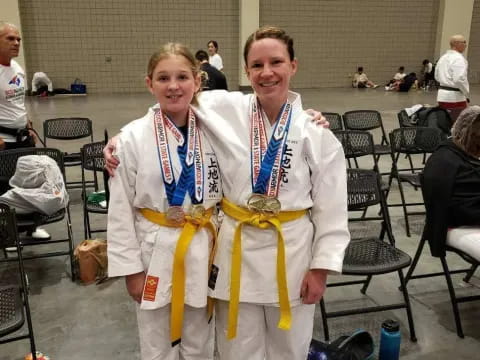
357,346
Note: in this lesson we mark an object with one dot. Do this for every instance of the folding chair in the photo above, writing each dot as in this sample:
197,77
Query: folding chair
14,305
367,120
335,120
93,161
369,256
72,128
8,162
403,119
455,300
411,141
357,144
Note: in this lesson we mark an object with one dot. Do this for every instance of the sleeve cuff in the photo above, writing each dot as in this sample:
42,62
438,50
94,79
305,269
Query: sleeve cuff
123,270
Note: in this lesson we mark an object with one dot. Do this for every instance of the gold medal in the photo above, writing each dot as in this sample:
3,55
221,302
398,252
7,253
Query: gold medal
197,211
175,215
263,204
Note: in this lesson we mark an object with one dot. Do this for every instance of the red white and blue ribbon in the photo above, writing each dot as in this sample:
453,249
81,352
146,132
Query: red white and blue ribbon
190,154
266,159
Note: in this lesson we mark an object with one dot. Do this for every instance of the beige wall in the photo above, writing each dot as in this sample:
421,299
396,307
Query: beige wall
76,38
332,38
474,46
454,18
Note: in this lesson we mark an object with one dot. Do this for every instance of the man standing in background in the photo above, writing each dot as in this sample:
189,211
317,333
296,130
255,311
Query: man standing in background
451,72
14,124
215,79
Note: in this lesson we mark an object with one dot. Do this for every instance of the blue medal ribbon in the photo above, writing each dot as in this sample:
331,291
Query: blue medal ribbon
174,190
260,187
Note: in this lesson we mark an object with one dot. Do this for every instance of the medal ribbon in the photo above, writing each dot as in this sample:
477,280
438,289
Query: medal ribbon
266,161
190,152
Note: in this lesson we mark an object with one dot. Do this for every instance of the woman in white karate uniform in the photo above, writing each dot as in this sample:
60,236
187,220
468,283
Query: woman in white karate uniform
273,158
285,202
159,232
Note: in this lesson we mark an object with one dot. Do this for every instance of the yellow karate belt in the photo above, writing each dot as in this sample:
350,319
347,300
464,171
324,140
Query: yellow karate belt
262,221
190,227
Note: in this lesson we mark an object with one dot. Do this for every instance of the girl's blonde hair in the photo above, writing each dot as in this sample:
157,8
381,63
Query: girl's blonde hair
170,49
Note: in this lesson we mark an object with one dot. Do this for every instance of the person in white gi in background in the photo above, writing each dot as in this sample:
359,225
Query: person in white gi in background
451,72
214,58
41,80
159,232
308,174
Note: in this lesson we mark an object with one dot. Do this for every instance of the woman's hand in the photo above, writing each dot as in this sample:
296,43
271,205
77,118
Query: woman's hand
135,284
318,118
111,162
313,286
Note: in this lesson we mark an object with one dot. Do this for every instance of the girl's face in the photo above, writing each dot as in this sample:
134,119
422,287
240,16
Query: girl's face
174,84
270,69
211,49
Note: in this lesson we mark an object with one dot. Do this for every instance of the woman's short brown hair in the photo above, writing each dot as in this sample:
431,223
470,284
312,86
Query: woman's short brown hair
269,32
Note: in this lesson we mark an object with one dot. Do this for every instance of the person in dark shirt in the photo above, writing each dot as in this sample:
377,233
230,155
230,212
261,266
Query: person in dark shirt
451,185
407,82
212,79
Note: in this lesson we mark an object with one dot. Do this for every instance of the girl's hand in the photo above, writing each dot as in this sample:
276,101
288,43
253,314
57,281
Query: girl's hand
111,162
313,286
135,284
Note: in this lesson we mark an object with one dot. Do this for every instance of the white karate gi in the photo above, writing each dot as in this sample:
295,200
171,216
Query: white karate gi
136,244
452,70
314,178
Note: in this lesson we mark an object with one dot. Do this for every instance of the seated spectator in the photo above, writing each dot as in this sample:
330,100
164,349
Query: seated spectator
212,78
452,198
428,73
41,84
360,80
397,78
407,82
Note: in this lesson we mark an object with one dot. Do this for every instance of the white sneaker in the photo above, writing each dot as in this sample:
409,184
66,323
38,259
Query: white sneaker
41,234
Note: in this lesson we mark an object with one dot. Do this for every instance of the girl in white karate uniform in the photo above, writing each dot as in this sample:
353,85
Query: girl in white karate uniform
285,200
160,236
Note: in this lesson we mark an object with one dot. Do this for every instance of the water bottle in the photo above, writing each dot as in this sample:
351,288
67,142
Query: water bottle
389,341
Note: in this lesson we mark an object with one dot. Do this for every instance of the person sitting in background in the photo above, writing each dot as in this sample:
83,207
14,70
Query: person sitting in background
397,78
428,72
41,84
360,80
452,198
407,82
212,78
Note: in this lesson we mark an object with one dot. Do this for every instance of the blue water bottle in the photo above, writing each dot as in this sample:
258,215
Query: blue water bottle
389,341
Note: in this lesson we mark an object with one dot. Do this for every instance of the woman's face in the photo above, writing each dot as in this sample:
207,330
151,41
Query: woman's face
211,49
269,70
174,84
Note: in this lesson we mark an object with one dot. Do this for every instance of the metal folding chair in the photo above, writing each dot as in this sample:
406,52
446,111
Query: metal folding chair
72,128
370,256
14,304
93,162
8,162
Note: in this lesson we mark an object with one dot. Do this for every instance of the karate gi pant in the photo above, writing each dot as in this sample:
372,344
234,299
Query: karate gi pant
259,338
154,330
